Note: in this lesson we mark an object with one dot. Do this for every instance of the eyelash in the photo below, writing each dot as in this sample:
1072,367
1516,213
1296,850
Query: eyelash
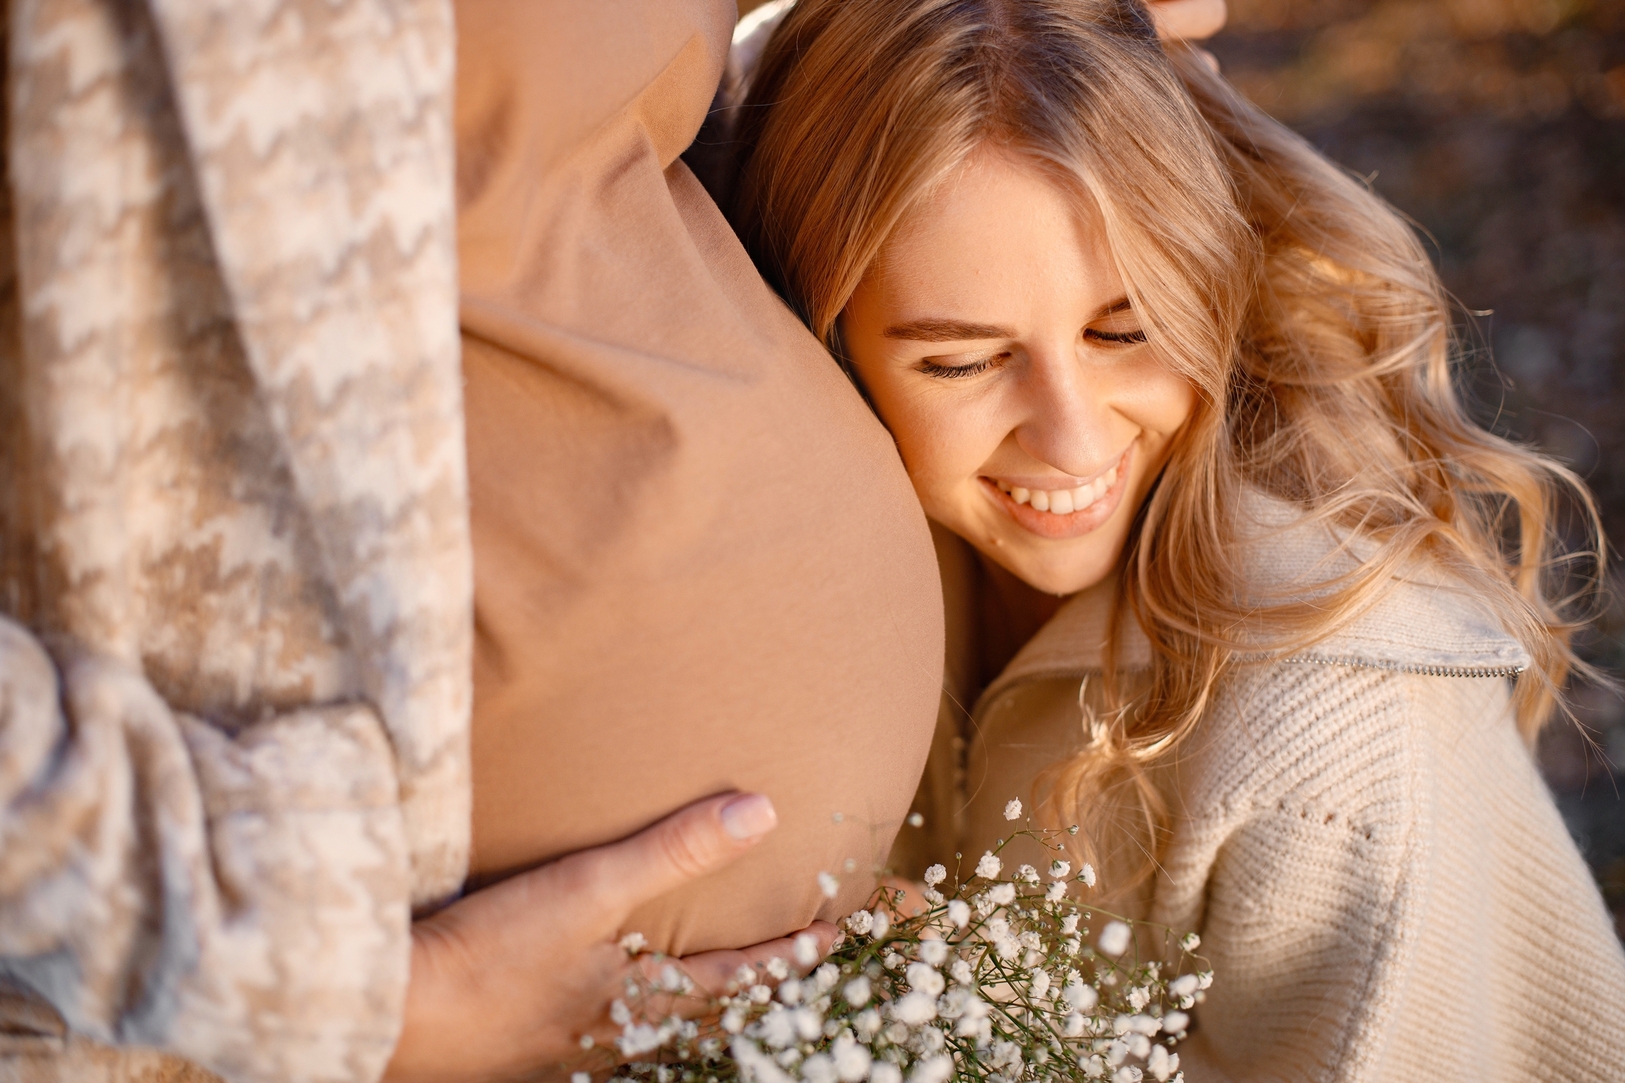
959,372
976,368
1125,337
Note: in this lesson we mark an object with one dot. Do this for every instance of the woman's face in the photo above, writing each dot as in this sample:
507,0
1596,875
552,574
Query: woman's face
994,337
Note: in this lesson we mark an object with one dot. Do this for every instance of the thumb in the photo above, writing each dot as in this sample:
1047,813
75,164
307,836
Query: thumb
691,842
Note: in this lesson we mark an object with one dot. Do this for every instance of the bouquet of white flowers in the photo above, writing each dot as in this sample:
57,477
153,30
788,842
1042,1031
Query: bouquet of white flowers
1001,978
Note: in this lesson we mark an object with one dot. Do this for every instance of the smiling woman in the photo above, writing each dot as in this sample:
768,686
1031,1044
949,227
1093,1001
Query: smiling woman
1034,419
1234,582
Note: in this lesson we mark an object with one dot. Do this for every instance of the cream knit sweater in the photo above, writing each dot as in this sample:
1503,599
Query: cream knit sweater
1378,873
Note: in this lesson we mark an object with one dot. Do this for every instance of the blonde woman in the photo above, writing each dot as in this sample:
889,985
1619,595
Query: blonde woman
1235,582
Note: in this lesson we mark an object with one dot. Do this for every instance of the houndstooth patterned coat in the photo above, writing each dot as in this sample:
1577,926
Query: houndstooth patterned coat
234,559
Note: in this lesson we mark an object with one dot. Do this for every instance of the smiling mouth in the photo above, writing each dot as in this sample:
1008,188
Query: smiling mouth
1061,501
1061,513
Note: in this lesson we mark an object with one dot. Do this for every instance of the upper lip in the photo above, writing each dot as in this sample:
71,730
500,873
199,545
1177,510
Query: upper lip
1052,482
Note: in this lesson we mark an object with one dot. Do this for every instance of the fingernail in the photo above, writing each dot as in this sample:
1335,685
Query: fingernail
749,816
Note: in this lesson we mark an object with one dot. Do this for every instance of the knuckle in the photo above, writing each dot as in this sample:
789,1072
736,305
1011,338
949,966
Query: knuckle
687,850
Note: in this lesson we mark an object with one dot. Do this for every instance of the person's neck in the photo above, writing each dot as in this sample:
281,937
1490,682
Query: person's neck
1009,613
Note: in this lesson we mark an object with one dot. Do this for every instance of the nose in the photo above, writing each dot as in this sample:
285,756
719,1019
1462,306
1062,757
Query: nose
1065,416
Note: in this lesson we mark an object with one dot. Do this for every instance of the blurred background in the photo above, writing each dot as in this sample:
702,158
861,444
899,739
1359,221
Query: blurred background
1498,127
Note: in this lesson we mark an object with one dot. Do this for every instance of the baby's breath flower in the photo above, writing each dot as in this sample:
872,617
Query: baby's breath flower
1069,924
580,1077
790,992
828,885
818,1068
1127,1074
857,991
988,866
925,978
934,952
959,913
851,1059
1190,942
935,1069
1038,982
1114,938
882,924
1175,1022
1002,894
1059,869
935,875
934,897
1027,874
867,1024
806,949
916,820
632,943
619,1013
1086,875
961,972
1012,809
884,1071
860,922
915,1008
760,994
1056,891
1184,985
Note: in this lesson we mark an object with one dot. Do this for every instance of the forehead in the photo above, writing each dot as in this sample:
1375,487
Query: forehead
999,231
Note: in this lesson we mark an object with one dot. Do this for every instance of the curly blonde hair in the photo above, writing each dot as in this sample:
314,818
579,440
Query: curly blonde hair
1301,307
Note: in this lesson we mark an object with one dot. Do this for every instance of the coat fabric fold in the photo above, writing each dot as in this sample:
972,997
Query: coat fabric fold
234,662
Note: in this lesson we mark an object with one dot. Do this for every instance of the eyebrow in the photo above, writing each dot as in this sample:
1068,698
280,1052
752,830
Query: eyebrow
934,329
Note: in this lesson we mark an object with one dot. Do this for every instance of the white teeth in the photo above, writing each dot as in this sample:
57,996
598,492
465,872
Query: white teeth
1062,501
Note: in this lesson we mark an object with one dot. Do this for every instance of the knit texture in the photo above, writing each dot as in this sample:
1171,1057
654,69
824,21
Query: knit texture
1379,875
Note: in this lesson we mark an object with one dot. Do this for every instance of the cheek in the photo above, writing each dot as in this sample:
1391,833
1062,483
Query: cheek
943,440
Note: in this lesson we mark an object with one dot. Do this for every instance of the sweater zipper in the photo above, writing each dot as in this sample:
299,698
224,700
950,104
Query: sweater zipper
1402,667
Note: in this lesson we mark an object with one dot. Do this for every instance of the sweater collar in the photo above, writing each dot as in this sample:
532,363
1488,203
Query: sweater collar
1424,623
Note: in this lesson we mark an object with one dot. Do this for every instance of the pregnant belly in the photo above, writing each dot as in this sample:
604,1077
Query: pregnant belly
719,587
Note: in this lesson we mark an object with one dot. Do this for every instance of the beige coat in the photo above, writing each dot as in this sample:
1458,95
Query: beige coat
1378,874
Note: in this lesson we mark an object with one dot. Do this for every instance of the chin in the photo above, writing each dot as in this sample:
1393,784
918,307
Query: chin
1057,577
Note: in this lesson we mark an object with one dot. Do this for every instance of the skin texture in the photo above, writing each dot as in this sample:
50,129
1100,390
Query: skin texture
507,981
1054,391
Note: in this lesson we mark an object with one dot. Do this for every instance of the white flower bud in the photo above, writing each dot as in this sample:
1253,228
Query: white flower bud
1087,875
884,1071
808,1023
777,968
1127,1074
733,1020
1038,983
806,949
961,972
934,952
857,991
1056,891
882,924
1060,870
1002,894
1190,942
935,875
760,994
1114,938
1012,809
989,865
580,1077
959,912
924,977
1027,873
1139,1045
1176,1022
935,1069
828,885
1157,1064
1081,997
1183,986
860,922
1069,924
1073,1026
915,1008
790,992
867,1024
818,1068
851,1060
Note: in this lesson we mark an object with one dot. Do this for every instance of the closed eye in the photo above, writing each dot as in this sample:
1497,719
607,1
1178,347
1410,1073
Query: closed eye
1126,338
959,372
